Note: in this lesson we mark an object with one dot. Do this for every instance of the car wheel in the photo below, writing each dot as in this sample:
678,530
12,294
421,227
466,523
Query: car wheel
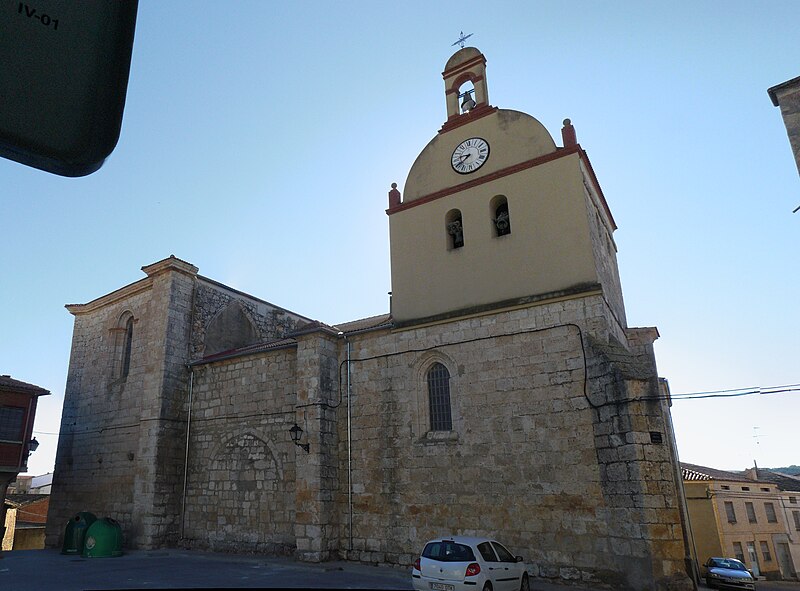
487,586
525,584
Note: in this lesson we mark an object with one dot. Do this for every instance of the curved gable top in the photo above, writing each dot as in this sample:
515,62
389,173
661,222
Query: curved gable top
513,137
462,56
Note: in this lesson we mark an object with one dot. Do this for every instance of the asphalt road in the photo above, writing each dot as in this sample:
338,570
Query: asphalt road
37,570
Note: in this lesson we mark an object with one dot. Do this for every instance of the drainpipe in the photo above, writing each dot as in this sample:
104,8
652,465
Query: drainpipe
349,452
186,451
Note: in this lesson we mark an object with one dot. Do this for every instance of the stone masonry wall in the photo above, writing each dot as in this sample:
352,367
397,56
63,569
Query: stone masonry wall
790,111
317,526
241,484
163,406
271,322
521,462
552,450
98,444
605,256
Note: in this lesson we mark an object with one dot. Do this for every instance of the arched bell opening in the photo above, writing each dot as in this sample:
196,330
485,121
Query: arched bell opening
455,229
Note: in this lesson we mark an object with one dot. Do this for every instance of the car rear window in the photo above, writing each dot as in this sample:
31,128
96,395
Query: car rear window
448,552
727,563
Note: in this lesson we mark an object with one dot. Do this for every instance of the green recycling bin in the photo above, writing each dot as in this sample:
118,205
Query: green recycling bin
103,539
75,533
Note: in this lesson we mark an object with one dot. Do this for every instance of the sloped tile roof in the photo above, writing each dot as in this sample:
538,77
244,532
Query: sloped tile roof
371,323
348,328
785,482
247,350
695,472
9,384
20,500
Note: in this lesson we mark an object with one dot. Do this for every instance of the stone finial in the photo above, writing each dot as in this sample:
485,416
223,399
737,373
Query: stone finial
568,134
394,196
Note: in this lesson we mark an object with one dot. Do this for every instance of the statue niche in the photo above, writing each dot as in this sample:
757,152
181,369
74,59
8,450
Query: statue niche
230,329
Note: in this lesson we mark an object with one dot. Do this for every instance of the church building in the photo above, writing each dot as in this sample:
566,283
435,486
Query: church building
502,395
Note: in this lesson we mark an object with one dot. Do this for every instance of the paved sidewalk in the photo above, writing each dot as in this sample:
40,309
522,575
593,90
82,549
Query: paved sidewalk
37,570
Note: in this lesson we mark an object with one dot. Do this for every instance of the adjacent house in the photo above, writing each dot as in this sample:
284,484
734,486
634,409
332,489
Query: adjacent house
27,502
738,515
17,411
26,516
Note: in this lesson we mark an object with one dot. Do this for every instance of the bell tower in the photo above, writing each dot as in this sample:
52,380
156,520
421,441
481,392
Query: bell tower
494,214
467,65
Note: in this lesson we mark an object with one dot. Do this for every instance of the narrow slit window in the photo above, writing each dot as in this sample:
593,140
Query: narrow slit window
439,398
126,349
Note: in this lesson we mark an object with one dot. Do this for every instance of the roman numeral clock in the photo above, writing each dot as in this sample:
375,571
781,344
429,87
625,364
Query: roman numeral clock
470,155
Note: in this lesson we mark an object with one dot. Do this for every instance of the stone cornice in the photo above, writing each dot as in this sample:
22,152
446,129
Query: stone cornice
575,292
171,263
111,298
560,153
790,85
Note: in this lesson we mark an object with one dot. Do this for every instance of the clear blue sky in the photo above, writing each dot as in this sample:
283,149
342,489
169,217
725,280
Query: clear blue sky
260,140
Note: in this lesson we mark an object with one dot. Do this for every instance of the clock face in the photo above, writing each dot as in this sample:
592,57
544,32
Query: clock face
470,155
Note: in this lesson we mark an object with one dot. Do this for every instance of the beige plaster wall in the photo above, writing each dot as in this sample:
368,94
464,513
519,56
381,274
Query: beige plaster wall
549,248
703,521
743,531
513,137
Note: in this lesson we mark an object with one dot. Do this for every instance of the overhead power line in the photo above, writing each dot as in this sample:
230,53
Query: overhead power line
757,390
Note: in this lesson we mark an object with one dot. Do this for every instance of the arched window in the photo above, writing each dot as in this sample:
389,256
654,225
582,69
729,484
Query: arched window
455,229
122,335
501,219
126,348
439,398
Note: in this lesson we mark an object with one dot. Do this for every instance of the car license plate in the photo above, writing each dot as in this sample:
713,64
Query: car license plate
442,587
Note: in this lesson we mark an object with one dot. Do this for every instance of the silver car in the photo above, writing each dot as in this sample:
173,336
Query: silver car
728,573
460,563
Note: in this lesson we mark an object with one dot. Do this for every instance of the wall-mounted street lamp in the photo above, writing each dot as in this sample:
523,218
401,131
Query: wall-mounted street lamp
33,445
296,433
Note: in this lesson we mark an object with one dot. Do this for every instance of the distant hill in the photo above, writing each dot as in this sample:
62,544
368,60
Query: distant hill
792,470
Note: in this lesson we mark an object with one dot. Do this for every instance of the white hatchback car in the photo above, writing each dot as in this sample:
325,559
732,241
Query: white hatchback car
461,563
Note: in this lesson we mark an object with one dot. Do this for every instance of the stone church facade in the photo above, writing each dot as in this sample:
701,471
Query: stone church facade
503,395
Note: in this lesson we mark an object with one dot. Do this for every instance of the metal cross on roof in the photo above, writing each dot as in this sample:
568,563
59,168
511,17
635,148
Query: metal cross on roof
461,38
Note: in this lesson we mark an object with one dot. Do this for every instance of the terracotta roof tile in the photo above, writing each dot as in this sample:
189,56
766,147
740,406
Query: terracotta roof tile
8,383
247,350
785,482
371,323
695,472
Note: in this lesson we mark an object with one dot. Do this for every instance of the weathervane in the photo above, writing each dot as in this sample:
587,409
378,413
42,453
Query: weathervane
461,38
